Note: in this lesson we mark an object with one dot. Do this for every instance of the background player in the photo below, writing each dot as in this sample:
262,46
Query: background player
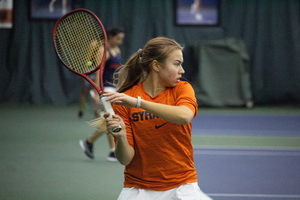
115,37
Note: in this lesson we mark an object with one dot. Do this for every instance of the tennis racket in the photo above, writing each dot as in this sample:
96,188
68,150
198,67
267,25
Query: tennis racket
80,43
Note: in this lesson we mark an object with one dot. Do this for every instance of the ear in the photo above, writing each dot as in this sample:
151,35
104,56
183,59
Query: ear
155,65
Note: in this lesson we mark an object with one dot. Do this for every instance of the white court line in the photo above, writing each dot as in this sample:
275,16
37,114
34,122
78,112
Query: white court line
253,132
245,151
254,195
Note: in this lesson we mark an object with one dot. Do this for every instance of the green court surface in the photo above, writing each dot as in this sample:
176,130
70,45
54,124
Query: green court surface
41,157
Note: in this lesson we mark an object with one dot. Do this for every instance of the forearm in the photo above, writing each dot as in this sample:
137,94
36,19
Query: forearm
174,114
170,113
124,152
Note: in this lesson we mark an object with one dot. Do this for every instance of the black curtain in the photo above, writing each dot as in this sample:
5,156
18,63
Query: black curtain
271,30
31,72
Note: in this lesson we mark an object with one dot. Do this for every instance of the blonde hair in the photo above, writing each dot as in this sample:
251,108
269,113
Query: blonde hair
139,64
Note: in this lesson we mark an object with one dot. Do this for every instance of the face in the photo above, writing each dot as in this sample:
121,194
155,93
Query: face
171,70
116,40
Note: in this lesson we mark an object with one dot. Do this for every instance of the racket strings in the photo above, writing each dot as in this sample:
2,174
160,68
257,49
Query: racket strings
80,42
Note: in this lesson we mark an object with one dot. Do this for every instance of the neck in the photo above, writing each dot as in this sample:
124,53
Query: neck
109,45
152,86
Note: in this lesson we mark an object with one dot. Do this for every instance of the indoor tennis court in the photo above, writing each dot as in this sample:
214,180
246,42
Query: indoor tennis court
41,157
241,58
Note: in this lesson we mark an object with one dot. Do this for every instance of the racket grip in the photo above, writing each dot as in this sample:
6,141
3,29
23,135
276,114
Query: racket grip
108,108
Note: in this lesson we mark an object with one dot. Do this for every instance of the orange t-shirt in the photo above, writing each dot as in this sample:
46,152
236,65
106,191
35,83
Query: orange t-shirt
163,151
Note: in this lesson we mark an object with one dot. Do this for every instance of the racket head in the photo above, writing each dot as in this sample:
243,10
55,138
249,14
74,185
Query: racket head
80,42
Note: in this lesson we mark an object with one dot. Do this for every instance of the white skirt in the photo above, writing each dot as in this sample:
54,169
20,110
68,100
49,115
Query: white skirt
188,191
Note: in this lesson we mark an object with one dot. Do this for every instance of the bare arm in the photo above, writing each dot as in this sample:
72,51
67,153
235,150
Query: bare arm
124,152
174,114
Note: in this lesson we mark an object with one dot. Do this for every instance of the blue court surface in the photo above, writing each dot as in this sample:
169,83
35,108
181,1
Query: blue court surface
252,172
249,173
285,125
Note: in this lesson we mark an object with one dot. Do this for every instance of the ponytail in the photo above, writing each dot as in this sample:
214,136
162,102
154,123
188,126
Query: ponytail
130,74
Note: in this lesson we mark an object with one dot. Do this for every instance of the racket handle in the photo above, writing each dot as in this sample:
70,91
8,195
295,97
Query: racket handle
108,108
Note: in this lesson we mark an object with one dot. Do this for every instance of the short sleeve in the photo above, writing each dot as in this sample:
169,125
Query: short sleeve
185,95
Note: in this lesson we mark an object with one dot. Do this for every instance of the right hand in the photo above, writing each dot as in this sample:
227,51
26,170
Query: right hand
113,122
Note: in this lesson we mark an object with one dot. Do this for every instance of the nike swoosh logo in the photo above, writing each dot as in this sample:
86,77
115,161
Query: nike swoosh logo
159,126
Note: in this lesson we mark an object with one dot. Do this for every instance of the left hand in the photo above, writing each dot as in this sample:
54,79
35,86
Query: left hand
121,99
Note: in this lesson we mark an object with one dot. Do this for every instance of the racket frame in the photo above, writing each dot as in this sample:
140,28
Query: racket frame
100,88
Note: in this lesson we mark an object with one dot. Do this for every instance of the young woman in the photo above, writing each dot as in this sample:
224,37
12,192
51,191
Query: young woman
115,36
155,109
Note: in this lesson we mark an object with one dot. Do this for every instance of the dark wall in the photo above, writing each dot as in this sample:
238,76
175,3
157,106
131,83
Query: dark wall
31,72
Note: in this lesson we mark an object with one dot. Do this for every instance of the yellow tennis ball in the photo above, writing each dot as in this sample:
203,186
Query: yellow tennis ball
89,63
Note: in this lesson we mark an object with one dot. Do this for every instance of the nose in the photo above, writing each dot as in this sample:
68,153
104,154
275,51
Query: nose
181,70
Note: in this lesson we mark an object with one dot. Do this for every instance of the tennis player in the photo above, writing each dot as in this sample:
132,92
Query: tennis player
115,37
155,109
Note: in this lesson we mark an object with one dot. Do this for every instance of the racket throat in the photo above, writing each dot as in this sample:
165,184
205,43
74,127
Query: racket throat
106,105
108,108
